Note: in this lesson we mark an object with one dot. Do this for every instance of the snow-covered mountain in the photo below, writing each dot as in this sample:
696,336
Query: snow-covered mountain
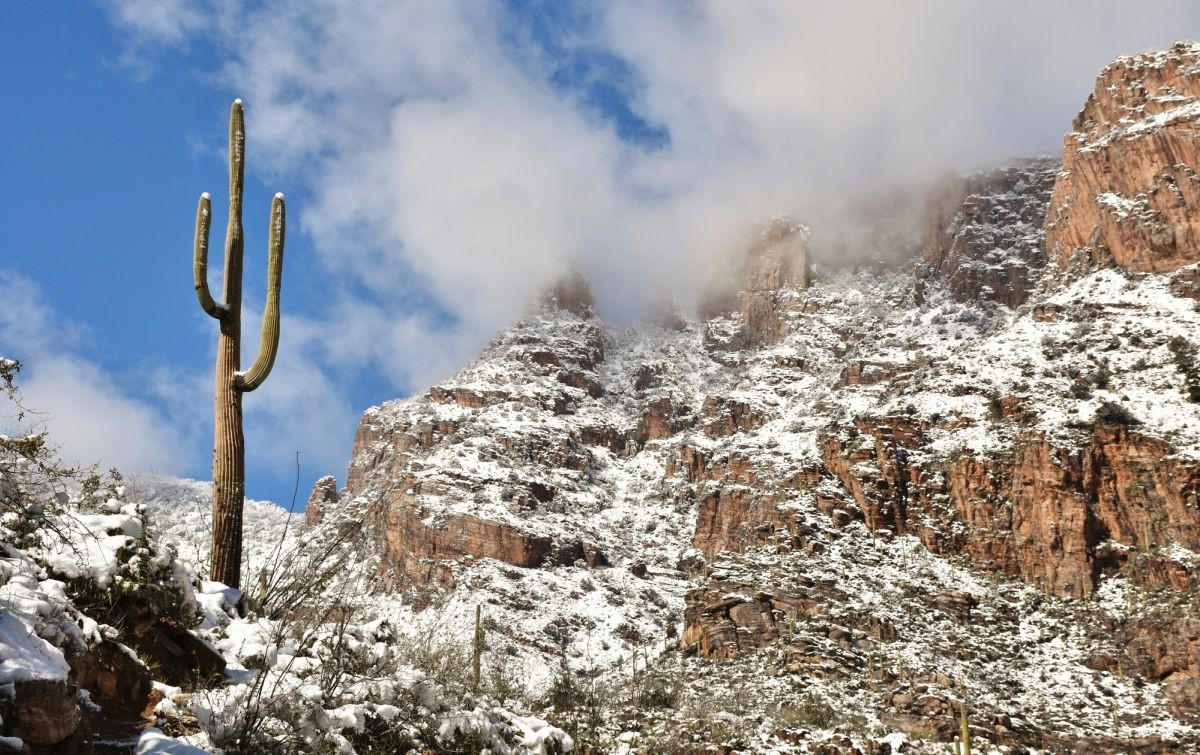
845,507
883,491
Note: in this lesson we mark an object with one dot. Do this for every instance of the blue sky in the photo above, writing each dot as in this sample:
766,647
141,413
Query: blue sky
442,162
104,159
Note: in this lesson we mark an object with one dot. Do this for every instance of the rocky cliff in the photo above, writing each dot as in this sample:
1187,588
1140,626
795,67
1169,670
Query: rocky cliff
1128,193
982,235
880,494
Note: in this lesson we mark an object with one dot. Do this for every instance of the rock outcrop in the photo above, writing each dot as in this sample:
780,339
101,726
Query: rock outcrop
1057,518
324,494
983,236
757,293
1129,194
47,715
571,293
427,517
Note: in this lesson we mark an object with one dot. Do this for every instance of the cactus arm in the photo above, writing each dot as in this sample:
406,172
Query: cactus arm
200,259
268,346
237,155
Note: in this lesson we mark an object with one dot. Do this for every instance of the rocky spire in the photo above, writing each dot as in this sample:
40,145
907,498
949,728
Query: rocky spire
570,293
777,262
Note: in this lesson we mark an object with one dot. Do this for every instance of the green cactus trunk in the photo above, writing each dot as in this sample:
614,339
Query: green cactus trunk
477,650
229,447
964,746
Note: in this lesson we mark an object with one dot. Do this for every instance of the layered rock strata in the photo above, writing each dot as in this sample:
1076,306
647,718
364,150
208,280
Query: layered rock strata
1054,442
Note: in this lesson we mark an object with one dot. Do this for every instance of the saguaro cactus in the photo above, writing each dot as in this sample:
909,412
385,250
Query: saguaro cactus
964,723
229,451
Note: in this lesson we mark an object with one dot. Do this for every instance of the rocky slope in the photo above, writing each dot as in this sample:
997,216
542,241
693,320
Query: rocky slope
983,233
833,511
882,495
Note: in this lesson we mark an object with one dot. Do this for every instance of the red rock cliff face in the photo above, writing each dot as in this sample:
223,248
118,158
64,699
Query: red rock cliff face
1129,194
776,267
461,473
759,465
1055,517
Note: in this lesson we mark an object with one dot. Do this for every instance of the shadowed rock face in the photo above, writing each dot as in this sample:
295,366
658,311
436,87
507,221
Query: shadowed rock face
571,294
107,697
983,235
44,714
1129,194
1045,514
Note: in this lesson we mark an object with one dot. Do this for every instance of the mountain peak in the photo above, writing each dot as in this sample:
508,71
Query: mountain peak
776,261
570,293
860,480
1129,194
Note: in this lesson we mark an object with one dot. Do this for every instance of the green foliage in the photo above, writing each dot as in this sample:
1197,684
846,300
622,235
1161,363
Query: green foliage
144,585
658,688
810,711
1111,413
229,452
380,737
1101,376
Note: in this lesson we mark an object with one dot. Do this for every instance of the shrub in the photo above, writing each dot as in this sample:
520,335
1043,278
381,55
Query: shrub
33,482
1114,414
1184,354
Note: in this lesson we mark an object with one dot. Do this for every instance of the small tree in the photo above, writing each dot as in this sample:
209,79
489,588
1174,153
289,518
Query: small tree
33,482
229,451
1114,414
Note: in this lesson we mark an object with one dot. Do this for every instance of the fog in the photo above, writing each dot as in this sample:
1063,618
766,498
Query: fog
461,155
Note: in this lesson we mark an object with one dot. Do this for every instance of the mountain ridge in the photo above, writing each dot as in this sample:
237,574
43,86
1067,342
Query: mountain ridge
1006,405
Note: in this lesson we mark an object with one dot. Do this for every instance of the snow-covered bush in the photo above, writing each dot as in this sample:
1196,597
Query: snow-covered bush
33,482
312,669
41,629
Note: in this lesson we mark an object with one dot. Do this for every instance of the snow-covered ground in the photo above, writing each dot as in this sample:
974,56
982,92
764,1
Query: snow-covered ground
322,655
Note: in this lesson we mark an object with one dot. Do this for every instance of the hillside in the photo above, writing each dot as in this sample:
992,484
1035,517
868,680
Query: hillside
839,508
1019,425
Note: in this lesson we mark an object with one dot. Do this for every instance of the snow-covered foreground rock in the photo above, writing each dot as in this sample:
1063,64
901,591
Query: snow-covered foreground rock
302,667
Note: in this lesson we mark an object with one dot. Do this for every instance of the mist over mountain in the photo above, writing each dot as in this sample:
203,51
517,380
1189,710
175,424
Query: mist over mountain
762,382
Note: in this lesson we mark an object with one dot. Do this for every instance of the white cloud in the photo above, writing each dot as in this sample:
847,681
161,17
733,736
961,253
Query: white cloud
160,21
451,177
152,418
93,421
435,148
92,416
299,408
